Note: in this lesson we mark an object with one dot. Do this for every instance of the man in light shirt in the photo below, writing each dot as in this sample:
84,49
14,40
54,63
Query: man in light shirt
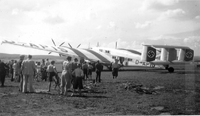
66,76
28,71
19,71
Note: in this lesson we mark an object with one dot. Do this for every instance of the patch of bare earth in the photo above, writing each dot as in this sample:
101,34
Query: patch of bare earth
176,93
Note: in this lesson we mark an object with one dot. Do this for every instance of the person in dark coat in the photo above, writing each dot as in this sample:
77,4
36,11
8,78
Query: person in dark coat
99,68
3,68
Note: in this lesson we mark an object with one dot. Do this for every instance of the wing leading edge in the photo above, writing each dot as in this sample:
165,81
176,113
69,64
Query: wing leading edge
63,50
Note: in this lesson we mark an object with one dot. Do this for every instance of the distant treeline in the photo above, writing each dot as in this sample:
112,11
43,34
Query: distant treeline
8,57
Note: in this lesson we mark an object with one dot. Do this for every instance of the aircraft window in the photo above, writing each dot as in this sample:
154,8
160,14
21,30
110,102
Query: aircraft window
130,59
113,57
100,50
107,51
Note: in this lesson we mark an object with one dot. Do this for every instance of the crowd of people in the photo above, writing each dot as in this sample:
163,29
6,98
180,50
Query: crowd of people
73,74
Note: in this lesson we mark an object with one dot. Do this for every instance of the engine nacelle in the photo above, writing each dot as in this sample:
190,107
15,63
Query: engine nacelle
148,54
186,55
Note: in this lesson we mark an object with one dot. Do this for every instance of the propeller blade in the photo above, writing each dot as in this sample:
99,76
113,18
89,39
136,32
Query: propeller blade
78,45
69,45
53,42
61,43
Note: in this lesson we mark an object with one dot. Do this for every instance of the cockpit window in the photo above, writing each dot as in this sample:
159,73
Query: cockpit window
100,50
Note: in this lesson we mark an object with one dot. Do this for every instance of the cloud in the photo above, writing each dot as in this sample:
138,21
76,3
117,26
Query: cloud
197,17
177,13
157,4
163,37
112,24
54,20
190,8
121,43
193,41
143,25
99,27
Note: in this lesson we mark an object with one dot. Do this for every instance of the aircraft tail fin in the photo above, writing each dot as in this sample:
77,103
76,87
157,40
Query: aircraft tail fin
186,55
148,54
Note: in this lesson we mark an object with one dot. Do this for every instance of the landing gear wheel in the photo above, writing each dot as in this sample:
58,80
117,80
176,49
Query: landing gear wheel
171,69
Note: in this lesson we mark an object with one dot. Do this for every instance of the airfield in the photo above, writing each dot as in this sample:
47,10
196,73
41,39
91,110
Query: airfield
134,92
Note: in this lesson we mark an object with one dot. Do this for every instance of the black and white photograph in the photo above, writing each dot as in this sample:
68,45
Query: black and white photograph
99,57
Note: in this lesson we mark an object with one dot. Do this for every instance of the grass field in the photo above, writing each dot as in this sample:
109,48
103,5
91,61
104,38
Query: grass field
176,93
173,93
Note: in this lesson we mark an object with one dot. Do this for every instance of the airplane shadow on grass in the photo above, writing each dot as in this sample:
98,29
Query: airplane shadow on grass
180,72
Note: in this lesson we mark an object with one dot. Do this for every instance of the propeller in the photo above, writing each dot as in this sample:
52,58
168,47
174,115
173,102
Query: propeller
61,43
78,45
72,47
55,44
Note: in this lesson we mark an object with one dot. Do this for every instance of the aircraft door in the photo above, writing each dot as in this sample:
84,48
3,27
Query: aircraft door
121,60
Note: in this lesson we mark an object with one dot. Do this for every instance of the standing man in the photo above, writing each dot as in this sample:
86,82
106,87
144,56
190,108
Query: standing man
74,64
43,70
47,63
11,69
28,71
3,68
99,68
85,70
19,71
66,76
115,68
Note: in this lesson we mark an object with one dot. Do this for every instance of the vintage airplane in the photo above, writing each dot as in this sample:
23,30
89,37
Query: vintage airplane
168,54
151,55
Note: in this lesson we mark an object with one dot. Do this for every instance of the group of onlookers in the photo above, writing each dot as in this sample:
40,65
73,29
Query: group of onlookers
73,74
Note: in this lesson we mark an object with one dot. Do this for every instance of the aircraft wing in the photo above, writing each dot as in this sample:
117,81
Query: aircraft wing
87,54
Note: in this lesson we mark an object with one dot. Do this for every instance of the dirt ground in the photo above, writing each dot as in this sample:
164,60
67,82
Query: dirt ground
176,93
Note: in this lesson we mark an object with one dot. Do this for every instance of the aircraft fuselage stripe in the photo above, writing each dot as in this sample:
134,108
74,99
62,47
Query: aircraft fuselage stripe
79,53
102,58
132,51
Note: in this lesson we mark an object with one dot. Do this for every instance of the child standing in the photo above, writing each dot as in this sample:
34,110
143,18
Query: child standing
78,76
51,69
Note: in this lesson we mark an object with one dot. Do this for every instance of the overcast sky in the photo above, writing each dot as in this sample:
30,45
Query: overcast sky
129,22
